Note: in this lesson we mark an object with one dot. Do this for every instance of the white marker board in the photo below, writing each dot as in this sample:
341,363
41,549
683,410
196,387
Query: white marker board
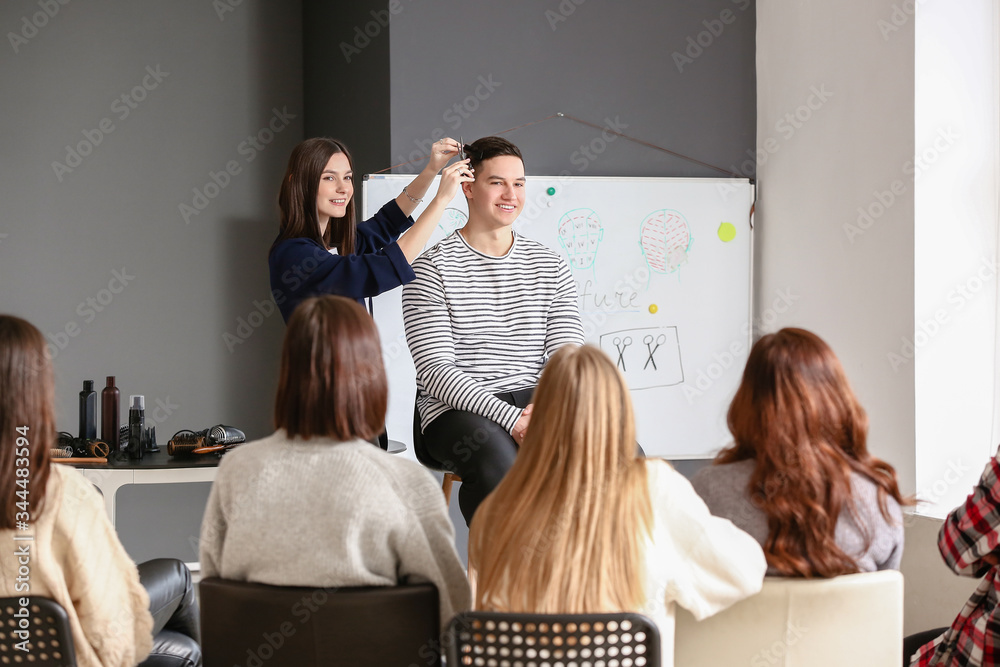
663,272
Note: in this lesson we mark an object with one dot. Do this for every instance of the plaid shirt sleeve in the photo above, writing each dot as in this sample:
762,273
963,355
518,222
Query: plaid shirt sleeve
969,534
972,530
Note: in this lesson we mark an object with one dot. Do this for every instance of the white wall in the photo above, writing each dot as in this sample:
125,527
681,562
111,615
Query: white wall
933,593
955,248
834,131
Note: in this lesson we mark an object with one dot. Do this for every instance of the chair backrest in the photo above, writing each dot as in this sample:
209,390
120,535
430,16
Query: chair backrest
547,640
49,638
254,624
854,619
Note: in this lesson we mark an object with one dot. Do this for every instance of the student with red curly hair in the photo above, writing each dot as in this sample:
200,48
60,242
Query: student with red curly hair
798,476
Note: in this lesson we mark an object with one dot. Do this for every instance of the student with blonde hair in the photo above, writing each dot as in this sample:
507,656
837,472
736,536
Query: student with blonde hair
581,524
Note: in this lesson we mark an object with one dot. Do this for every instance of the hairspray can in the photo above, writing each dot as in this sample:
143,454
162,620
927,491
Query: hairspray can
88,411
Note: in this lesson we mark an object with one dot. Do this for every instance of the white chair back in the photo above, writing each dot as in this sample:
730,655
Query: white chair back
855,619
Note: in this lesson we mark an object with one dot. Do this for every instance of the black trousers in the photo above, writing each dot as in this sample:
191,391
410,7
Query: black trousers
176,627
475,448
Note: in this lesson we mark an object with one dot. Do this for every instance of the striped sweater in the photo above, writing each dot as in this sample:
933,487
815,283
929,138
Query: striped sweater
477,325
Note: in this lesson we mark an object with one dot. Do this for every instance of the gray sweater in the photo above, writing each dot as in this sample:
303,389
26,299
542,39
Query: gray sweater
724,490
333,514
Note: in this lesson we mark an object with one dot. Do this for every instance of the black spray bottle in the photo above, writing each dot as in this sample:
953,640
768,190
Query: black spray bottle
88,411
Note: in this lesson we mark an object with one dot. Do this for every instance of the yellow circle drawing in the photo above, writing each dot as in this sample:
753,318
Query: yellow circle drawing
727,232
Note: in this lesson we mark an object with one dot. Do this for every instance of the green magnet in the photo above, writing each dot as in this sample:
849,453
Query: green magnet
551,191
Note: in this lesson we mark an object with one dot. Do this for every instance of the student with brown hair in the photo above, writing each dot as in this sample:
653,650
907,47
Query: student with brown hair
582,524
61,544
315,504
799,477
322,248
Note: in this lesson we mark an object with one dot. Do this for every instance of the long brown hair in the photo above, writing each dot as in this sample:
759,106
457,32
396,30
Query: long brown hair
27,420
297,198
563,531
332,381
796,417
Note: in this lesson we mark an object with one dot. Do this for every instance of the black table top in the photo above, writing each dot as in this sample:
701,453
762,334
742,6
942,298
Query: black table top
162,460
155,461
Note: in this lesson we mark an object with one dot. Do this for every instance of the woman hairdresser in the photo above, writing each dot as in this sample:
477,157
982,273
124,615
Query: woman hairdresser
321,249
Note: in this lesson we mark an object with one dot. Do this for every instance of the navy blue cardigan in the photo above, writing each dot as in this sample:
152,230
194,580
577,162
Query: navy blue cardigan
301,267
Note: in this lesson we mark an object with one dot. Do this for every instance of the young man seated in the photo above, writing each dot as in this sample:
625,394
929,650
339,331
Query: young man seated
487,309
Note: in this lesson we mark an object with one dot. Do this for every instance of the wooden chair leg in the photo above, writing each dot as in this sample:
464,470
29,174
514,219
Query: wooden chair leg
449,477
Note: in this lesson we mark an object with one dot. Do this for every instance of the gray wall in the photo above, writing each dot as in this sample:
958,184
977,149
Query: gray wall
595,60
65,234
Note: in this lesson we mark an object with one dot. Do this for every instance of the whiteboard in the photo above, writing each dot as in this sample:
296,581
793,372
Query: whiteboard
663,272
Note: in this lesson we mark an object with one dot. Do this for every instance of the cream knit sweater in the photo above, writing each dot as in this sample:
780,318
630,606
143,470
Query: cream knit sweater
325,513
76,559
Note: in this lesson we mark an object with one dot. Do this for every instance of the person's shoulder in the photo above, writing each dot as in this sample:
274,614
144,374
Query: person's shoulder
540,255
253,453
292,248
715,479
717,471
533,247
413,484
447,247
395,466
70,497
664,480
68,482
866,498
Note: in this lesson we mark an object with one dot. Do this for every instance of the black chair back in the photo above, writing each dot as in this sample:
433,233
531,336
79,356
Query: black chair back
277,626
548,640
49,641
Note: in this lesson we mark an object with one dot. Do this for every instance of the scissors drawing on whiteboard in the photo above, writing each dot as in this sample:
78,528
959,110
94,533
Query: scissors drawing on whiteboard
621,344
648,341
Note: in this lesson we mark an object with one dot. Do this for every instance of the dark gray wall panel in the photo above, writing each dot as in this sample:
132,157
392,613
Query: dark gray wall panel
596,60
346,70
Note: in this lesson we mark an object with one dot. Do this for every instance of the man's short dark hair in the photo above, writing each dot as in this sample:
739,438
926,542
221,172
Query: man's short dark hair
490,147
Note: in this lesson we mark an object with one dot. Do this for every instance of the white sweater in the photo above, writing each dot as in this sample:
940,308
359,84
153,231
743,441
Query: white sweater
694,559
324,513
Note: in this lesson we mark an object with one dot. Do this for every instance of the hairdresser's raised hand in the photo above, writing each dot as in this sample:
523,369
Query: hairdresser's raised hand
442,150
451,179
